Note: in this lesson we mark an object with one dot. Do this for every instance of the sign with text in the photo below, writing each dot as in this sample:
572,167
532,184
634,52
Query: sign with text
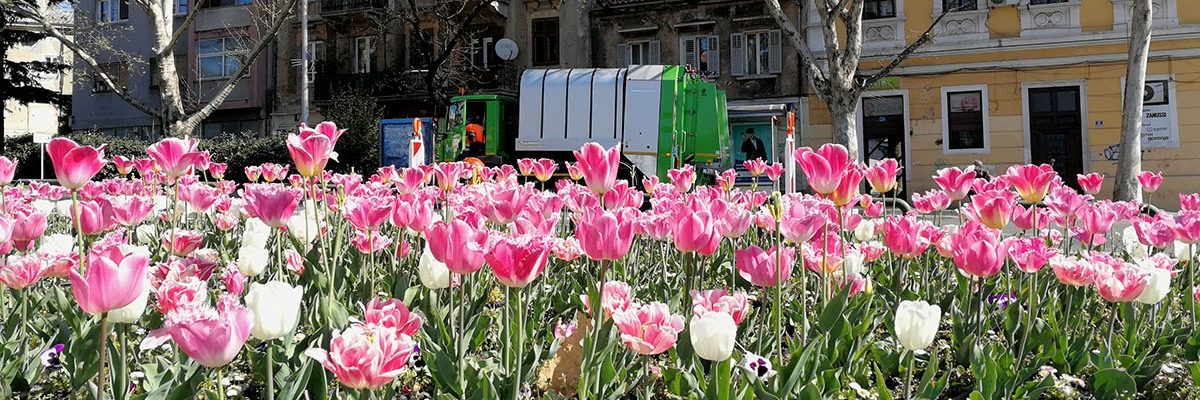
1159,128
396,141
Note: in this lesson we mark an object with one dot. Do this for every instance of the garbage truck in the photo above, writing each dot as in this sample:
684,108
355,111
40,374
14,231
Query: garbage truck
661,116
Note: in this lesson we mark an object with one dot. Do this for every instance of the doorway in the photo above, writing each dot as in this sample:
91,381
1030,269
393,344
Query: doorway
884,125
1056,129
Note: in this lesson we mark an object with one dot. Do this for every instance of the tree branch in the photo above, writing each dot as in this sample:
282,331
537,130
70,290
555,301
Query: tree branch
800,42
181,29
908,51
39,17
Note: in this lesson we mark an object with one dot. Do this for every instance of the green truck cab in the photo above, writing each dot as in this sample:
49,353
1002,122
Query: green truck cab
662,116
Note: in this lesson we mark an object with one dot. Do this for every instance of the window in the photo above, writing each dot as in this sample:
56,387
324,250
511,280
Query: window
545,41
316,55
1040,2
112,10
703,53
219,57
756,53
481,52
181,63
181,7
117,72
223,3
416,51
364,54
965,123
645,52
214,129
875,9
960,5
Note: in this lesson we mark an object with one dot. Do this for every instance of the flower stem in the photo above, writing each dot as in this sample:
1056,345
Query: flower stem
102,376
519,338
912,359
270,372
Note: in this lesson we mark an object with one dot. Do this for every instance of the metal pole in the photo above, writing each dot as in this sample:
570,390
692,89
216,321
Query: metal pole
304,55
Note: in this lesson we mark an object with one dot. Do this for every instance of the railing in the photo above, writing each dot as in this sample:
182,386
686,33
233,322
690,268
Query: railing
342,6
371,84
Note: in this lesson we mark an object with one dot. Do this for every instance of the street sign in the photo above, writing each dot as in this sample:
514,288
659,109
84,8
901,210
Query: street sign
395,141
416,150
42,137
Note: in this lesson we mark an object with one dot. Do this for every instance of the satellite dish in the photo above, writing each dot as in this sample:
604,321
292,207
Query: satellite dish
507,49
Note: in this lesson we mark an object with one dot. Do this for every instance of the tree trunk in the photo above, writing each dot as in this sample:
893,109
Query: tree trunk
1126,186
3,73
845,131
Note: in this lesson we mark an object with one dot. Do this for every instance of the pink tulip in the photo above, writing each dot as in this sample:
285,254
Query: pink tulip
903,236
272,172
992,209
21,271
1090,183
391,314
8,169
735,222
199,196
88,216
412,212
517,261
978,251
448,174
368,213
1023,217
696,231
112,280
1030,254
774,171
1095,222
27,226
212,337
366,356
182,242
273,204
824,167
369,242
544,169
598,166
310,152
293,261
1121,285
1150,181
564,330
727,180
217,170
1154,232
615,297
649,329
458,244
802,217
525,166
1186,225
74,165
175,157
758,266
846,191
1072,271
574,171
1032,182
735,304
326,128
755,167
505,203
1189,202
931,201
605,235
124,165
955,182
882,175
253,172
682,178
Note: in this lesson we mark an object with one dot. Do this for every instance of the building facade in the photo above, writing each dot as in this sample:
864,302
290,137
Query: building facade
40,118
1007,82
206,55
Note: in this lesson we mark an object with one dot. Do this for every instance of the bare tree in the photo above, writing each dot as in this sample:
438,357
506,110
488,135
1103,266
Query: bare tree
181,112
1130,163
837,82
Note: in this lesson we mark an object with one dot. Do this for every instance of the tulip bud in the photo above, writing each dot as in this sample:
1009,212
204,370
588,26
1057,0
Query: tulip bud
917,323
1159,284
276,307
713,335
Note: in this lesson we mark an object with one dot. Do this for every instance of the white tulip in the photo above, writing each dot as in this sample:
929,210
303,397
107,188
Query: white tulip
1184,251
161,203
135,249
1133,246
713,335
917,323
63,208
852,263
864,231
132,312
57,243
255,233
1158,284
146,234
303,229
43,206
252,261
433,273
276,307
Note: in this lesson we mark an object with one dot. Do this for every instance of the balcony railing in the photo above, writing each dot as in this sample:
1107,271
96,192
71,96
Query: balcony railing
345,6
372,84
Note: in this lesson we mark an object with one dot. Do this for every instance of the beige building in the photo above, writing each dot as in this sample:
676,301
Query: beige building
25,119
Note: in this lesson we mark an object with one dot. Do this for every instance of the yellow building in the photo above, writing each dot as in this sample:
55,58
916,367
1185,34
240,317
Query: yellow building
1024,81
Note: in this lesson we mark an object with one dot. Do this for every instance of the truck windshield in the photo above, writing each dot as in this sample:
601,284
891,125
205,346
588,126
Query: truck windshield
455,114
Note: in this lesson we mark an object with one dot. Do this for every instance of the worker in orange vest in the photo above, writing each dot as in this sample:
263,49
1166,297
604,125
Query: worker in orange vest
476,144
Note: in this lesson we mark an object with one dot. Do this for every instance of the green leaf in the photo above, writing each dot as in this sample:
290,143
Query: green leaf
1113,384
834,310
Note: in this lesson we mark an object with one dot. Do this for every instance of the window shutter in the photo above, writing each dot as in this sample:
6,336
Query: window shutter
622,55
737,54
714,55
124,9
775,57
655,53
687,51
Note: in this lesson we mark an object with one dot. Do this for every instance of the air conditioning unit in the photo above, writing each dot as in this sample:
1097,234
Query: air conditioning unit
1002,3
